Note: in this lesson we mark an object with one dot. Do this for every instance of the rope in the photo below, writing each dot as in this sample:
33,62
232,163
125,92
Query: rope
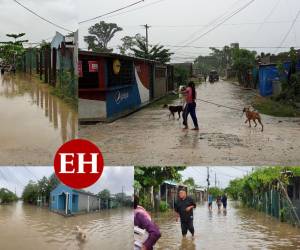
219,105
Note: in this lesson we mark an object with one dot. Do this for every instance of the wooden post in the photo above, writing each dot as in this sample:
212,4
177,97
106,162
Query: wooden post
54,60
41,64
46,66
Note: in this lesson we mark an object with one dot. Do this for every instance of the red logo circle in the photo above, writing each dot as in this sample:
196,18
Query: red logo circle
78,163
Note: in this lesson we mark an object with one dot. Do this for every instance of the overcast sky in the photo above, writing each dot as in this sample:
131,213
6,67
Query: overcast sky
222,175
113,178
175,21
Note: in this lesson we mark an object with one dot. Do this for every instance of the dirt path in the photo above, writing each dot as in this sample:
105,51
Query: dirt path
149,137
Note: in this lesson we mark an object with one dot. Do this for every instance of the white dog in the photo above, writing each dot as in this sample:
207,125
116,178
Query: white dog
81,235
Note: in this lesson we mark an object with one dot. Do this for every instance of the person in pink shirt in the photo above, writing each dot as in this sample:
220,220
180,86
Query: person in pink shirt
190,107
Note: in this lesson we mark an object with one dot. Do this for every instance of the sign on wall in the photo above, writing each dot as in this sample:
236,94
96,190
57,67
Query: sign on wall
93,66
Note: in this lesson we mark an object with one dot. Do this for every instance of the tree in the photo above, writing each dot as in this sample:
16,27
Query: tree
150,179
156,52
6,196
243,60
129,42
104,194
30,193
100,35
10,50
190,182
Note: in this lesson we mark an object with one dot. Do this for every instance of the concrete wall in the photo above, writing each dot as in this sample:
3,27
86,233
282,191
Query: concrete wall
83,202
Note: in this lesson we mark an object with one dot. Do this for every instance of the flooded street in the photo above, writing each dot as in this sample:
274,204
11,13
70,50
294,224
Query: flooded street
29,227
149,137
239,228
34,123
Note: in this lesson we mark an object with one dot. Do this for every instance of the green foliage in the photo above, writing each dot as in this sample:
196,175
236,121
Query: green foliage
43,188
190,182
259,181
100,35
215,191
163,207
181,75
10,51
152,52
7,196
129,42
155,176
104,194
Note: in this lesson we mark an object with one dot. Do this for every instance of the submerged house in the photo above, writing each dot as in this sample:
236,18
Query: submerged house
111,85
68,201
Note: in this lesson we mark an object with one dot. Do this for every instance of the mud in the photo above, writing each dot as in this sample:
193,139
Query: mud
34,123
29,227
149,137
238,228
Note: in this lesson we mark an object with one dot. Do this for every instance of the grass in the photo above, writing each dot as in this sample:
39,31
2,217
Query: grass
266,105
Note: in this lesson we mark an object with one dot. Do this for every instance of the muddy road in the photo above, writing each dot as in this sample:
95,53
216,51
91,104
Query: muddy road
238,228
28,227
34,123
149,137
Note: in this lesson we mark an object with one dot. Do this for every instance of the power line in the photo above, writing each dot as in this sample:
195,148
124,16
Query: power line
43,18
290,29
219,24
111,12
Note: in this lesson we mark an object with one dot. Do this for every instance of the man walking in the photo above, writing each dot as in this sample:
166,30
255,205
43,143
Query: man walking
184,210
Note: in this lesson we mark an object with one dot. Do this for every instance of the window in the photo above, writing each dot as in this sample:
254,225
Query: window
89,75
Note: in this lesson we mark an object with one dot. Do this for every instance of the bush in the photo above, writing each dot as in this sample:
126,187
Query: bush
164,207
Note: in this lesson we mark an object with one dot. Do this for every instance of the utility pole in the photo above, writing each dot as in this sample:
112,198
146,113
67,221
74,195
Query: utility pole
215,179
147,37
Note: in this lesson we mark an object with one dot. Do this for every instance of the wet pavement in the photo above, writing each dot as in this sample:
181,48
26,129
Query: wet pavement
149,137
238,228
28,227
34,123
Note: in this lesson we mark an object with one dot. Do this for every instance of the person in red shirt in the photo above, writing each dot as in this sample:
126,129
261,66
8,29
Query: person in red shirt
190,107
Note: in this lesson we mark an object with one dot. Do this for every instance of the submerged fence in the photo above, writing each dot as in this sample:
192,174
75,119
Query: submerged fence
54,67
276,203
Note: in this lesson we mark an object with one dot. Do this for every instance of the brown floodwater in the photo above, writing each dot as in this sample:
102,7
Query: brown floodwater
34,123
28,227
239,228
149,137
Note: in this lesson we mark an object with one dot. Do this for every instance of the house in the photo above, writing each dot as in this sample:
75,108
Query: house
112,85
68,201
169,192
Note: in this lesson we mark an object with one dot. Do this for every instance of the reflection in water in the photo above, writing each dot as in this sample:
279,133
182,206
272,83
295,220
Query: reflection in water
32,119
28,227
236,228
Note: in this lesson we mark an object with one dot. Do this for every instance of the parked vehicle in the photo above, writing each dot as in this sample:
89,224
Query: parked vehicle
213,76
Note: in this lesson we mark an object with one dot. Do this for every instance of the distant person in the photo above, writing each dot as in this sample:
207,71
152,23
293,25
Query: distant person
224,201
219,202
184,210
190,107
210,201
205,77
146,233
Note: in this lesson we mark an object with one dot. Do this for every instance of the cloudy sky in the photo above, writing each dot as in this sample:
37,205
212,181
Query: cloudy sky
263,23
113,178
15,19
220,176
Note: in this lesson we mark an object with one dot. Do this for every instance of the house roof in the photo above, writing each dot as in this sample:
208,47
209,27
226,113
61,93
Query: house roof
114,55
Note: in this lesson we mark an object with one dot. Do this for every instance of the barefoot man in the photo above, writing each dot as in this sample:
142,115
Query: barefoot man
184,211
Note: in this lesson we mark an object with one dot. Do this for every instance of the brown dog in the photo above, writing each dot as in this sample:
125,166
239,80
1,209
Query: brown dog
174,109
252,115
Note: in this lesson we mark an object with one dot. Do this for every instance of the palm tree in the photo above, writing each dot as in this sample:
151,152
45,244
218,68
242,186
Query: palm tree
156,52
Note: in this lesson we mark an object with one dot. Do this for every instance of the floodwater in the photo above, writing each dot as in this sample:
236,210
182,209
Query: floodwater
28,227
149,137
239,228
34,123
